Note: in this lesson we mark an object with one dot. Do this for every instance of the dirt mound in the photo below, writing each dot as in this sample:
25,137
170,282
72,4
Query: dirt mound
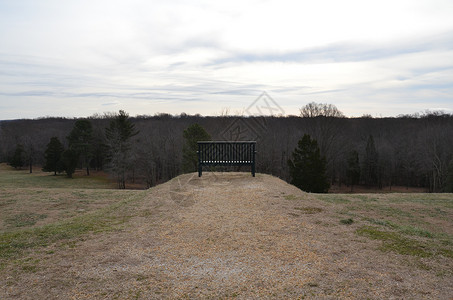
225,235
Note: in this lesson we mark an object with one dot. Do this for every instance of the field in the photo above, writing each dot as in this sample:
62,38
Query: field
224,235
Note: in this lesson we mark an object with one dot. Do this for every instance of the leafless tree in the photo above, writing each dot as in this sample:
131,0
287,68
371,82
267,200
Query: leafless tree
313,109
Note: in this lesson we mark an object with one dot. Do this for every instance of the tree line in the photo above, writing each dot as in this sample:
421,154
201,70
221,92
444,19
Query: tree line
409,150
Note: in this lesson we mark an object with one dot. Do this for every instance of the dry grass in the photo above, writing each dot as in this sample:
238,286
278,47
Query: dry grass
11,178
229,235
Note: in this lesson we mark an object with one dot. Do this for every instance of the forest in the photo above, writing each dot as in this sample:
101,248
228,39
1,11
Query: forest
409,151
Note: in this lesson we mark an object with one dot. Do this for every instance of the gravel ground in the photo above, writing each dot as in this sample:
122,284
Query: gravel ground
228,235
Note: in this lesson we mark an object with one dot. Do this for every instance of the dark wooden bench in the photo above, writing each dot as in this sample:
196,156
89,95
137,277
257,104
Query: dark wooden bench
226,153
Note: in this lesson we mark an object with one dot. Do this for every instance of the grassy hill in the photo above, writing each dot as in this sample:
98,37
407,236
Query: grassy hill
224,235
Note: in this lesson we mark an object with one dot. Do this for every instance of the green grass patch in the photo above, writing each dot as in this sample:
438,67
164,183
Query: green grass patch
415,231
365,198
410,230
24,219
405,223
406,229
10,177
347,221
380,222
28,265
291,197
309,210
15,243
390,211
393,241
446,252
334,198
424,198
28,207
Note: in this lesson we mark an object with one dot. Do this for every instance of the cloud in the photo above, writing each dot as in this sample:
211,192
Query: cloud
201,55
110,103
346,51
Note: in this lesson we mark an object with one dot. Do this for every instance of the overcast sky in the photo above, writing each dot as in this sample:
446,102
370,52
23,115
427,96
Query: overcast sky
77,58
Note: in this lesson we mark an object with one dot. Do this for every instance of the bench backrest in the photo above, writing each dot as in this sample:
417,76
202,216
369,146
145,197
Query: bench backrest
226,153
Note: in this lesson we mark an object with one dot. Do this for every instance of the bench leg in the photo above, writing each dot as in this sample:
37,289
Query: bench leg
253,170
200,170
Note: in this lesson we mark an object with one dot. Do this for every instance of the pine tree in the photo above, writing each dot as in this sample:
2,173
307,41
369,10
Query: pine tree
81,142
119,134
193,134
69,160
308,167
53,156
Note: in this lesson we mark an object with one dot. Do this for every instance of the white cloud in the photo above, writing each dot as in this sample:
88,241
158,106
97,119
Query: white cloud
200,56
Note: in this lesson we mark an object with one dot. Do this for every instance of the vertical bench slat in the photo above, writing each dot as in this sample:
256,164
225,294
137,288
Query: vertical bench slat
226,153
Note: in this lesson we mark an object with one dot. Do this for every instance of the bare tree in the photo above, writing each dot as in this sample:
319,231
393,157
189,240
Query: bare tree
435,154
313,109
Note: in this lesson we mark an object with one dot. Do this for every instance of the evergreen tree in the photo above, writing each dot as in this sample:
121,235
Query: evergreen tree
353,169
308,167
370,163
18,161
119,134
52,156
193,134
81,142
69,159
